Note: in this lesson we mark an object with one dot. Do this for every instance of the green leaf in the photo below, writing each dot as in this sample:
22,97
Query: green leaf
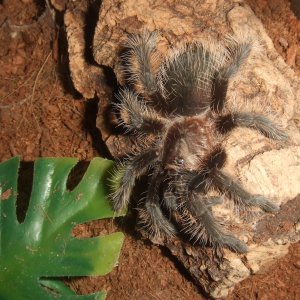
41,248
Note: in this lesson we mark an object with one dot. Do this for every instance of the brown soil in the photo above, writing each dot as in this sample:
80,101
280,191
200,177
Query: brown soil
40,115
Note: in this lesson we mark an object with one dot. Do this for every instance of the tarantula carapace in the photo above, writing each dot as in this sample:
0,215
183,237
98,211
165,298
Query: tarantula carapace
178,107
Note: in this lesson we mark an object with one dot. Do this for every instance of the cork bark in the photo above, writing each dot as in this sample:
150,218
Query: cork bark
264,83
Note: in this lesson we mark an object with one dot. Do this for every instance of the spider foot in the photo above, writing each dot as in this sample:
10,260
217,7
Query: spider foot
234,244
279,135
263,203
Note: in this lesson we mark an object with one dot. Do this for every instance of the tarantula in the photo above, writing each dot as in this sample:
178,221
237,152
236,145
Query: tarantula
179,106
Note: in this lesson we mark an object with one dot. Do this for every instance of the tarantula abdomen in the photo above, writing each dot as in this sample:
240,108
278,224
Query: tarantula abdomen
179,106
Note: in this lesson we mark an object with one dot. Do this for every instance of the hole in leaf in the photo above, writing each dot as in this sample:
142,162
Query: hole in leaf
24,189
94,228
76,174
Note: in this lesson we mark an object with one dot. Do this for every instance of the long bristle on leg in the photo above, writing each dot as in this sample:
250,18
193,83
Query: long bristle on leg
125,175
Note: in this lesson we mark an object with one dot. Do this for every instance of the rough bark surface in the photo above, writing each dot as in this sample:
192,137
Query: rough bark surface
265,83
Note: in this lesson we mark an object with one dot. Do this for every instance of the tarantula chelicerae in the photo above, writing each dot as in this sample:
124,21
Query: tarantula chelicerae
180,106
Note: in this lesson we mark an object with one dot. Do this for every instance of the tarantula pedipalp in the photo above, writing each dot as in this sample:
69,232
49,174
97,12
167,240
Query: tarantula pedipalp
180,104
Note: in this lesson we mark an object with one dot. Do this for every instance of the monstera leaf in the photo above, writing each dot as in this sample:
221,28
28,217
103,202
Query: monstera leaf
35,252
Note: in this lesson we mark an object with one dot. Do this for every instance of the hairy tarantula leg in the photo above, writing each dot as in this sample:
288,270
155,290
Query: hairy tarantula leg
241,196
251,120
136,115
212,201
201,225
237,54
142,47
154,222
124,177
152,218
